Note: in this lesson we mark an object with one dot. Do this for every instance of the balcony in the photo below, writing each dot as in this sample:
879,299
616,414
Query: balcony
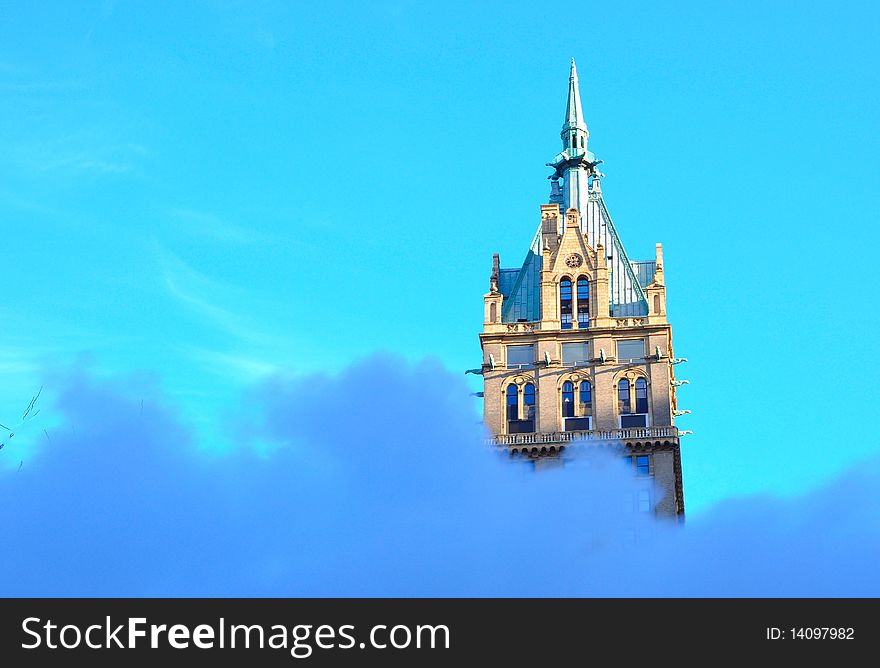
553,442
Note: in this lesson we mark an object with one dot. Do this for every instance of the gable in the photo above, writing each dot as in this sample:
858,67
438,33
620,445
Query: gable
626,279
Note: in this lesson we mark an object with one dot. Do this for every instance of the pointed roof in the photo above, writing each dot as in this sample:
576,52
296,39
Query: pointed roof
521,288
574,115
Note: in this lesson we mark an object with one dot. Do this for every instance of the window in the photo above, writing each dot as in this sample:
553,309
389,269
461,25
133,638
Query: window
630,349
577,417
644,500
515,425
575,353
565,302
623,405
520,356
633,421
567,399
586,398
629,417
529,402
641,396
512,403
493,312
656,303
643,464
583,302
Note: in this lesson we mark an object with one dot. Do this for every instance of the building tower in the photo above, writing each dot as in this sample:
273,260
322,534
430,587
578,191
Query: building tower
577,349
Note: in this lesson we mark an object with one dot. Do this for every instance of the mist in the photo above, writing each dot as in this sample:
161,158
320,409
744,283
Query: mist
376,482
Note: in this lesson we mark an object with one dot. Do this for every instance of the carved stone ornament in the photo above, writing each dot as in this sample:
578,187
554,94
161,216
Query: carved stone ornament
574,260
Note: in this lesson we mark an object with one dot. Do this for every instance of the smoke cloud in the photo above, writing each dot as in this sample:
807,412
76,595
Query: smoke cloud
375,482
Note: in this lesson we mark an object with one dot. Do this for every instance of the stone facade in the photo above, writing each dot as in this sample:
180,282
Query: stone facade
579,371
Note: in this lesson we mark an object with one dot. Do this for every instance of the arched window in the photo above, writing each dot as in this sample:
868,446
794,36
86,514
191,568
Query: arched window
628,416
656,303
512,403
529,403
567,399
583,299
565,302
586,398
515,424
641,396
623,403
493,312
577,416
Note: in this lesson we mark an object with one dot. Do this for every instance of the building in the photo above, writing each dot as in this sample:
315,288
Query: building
577,348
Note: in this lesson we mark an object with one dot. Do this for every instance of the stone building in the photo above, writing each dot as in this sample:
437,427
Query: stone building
577,348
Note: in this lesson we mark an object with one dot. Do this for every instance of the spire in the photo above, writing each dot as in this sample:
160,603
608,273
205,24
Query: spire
574,166
574,115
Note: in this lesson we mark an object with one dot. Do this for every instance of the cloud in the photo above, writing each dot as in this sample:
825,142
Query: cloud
245,350
15,201
207,225
376,482
231,365
203,295
82,157
823,543
36,86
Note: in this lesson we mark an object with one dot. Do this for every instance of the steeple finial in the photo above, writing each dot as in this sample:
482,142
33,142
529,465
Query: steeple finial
575,164
574,115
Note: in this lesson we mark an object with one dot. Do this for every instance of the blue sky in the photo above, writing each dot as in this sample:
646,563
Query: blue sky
207,193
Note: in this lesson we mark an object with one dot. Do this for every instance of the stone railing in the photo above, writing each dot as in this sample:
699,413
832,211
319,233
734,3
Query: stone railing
565,437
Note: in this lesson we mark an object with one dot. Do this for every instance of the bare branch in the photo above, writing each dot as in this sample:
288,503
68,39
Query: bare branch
26,416
33,401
